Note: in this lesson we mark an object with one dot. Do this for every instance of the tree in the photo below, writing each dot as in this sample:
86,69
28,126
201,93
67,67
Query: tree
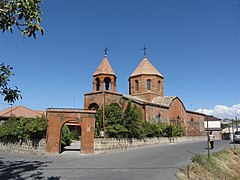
24,14
132,120
24,128
113,121
10,95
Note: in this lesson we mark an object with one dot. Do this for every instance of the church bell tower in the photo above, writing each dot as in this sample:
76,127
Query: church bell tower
104,78
146,82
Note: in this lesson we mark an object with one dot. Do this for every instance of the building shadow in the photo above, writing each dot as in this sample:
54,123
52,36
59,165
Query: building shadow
23,170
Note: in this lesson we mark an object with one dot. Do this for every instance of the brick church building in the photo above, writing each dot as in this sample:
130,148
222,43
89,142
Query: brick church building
146,90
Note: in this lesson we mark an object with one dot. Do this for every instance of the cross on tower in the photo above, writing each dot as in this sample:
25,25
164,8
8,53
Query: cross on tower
144,50
105,51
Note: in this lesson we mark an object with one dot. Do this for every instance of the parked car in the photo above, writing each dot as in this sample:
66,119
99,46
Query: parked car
237,136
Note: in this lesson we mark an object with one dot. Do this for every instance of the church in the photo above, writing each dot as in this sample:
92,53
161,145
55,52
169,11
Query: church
146,90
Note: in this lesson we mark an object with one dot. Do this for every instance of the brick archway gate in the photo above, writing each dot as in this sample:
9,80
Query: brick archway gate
58,117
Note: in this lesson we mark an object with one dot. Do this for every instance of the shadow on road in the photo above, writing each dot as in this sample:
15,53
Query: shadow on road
23,170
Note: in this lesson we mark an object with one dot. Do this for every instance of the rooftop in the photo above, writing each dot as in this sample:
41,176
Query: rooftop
145,67
21,111
104,68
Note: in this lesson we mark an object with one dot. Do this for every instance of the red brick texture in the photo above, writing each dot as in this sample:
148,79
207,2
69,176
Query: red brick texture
58,117
176,113
157,86
101,78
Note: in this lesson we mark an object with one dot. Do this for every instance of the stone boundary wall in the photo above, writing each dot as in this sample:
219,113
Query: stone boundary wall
36,146
111,144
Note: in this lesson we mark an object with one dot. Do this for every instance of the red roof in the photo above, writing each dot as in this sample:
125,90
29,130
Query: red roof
212,118
21,111
104,68
145,67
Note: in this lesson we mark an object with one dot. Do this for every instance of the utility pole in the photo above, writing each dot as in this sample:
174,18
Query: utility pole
233,134
208,140
236,123
104,113
102,128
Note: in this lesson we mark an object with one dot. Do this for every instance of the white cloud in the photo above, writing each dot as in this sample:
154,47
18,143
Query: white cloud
222,111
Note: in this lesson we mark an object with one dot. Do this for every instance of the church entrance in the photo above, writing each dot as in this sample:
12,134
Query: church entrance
61,122
71,137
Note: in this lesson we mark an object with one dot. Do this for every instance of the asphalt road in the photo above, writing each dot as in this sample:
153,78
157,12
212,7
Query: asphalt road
156,162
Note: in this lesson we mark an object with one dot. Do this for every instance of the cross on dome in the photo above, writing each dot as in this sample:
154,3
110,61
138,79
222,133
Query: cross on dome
105,51
144,51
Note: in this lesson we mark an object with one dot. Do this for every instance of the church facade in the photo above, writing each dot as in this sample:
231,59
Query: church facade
146,90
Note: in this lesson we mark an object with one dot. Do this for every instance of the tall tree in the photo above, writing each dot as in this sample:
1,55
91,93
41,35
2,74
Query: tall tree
113,121
10,95
24,14
132,120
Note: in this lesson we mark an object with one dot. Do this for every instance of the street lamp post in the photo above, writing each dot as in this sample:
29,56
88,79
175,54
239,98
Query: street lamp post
208,138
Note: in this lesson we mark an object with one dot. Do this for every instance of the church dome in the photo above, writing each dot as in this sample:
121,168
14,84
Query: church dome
104,68
146,68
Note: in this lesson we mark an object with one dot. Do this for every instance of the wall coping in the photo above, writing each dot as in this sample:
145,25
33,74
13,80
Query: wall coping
70,110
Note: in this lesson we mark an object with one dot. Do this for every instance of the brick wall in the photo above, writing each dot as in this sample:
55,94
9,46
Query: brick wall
57,117
36,146
111,144
142,91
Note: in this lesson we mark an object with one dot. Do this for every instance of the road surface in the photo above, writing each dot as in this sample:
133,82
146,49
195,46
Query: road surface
154,163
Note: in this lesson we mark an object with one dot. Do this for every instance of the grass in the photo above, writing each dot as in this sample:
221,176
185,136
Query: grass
224,164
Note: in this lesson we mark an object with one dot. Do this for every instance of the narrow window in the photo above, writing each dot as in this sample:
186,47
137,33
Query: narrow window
107,82
159,86
97,84
136,85
148,84
192,121
159,117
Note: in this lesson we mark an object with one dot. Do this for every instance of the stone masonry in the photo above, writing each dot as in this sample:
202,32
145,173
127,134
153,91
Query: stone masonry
146,90
111,144
36,146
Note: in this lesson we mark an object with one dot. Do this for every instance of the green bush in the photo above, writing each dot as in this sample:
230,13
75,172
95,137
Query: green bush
24,128
130,125
74,135
66,136
148,130
172,130
132,120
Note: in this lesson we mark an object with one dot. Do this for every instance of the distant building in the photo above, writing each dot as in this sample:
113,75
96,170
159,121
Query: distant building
214,125
228,132
19,111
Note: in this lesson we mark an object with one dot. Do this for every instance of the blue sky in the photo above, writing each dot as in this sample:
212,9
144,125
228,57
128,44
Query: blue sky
194,44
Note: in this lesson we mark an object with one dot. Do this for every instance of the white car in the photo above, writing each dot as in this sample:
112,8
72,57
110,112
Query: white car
237,136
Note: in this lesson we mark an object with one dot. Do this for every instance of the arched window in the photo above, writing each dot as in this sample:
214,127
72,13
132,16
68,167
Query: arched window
136,85
148,84
192,121
107,82
159,86
93,106
97,84
159,117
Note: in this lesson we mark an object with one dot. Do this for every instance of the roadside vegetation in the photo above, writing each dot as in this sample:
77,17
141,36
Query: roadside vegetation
129,124
32,128
224,164
119,124
23,128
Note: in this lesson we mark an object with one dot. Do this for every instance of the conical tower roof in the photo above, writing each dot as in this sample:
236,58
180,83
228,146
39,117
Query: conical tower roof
145,67
104,68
